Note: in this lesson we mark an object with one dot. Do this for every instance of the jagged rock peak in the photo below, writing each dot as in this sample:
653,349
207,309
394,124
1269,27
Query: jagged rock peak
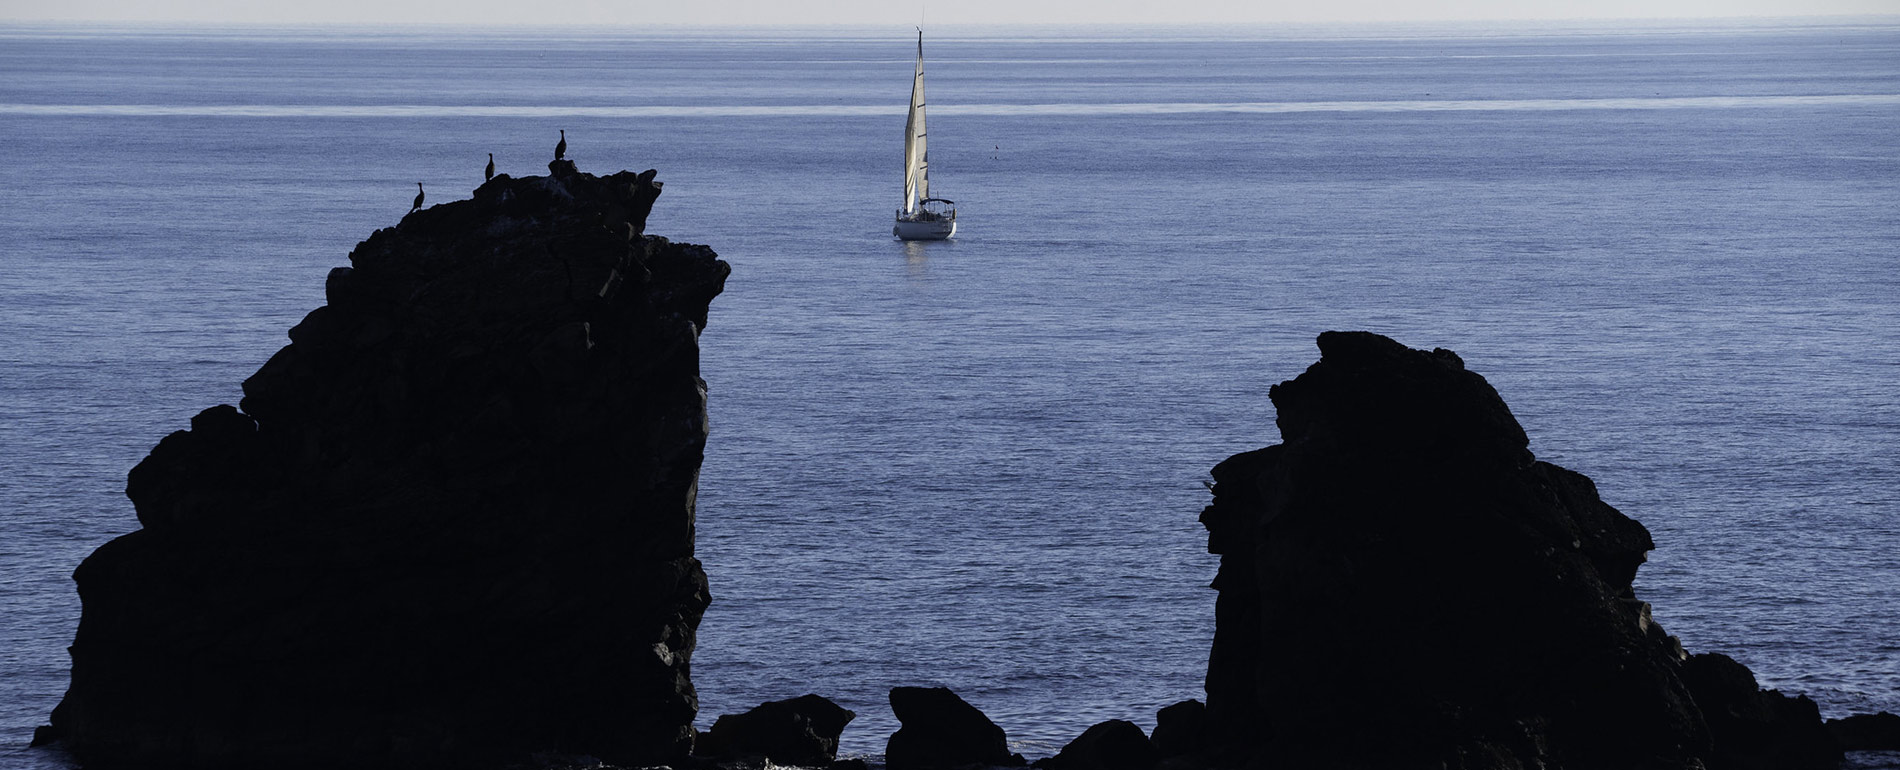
452,525
1374,394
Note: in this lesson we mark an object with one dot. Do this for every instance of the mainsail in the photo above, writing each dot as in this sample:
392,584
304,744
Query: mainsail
916,159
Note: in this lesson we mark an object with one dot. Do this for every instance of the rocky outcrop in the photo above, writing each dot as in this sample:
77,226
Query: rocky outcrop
1402,584
1751,728
797,731
452,523
1180,730
1117,744
940,731
1867,732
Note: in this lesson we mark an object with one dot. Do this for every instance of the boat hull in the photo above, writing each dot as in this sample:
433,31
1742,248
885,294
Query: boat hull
924,230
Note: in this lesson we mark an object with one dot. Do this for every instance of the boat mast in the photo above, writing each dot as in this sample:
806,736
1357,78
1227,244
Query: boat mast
916,157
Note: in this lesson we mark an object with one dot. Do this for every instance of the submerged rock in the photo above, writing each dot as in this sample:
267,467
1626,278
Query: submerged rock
941,731
452,524
796,731
1402,584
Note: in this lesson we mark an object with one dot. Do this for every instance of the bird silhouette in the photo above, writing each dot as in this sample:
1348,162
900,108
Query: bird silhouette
489,173
560,150
418,206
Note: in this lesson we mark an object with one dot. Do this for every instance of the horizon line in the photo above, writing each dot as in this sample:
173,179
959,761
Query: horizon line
1893,18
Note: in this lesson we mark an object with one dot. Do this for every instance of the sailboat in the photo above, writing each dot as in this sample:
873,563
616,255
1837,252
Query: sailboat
922,217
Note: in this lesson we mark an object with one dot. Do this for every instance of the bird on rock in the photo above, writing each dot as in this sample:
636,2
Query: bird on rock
560,150
418,206
489,173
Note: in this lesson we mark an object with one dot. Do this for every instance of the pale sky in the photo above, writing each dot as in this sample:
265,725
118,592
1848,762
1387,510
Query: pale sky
904,12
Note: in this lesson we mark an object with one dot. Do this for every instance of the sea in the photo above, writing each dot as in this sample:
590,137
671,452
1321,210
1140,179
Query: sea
1672,246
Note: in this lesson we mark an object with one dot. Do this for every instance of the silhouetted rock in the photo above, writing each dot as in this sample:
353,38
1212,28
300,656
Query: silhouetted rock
1180,729
798,731
940,731
1113,745
1752,728
451,526
1867,732
1403,585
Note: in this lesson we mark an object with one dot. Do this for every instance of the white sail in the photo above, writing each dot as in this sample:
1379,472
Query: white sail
916,159
922,218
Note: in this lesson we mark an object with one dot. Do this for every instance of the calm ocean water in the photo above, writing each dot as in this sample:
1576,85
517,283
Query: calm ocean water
1674,249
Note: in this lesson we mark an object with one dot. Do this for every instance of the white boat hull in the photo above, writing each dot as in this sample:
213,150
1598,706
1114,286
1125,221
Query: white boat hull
924,230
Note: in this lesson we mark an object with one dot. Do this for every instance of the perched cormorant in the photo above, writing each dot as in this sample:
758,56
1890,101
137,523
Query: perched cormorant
489,173
560,150
418,206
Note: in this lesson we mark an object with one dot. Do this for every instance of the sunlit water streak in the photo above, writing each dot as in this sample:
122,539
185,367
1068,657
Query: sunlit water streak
820,110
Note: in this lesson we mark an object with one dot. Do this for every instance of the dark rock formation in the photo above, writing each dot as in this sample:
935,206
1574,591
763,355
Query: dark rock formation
940,731
1113,745
1180,729
1403,585
1867,732
452,524
1751,728
796,731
